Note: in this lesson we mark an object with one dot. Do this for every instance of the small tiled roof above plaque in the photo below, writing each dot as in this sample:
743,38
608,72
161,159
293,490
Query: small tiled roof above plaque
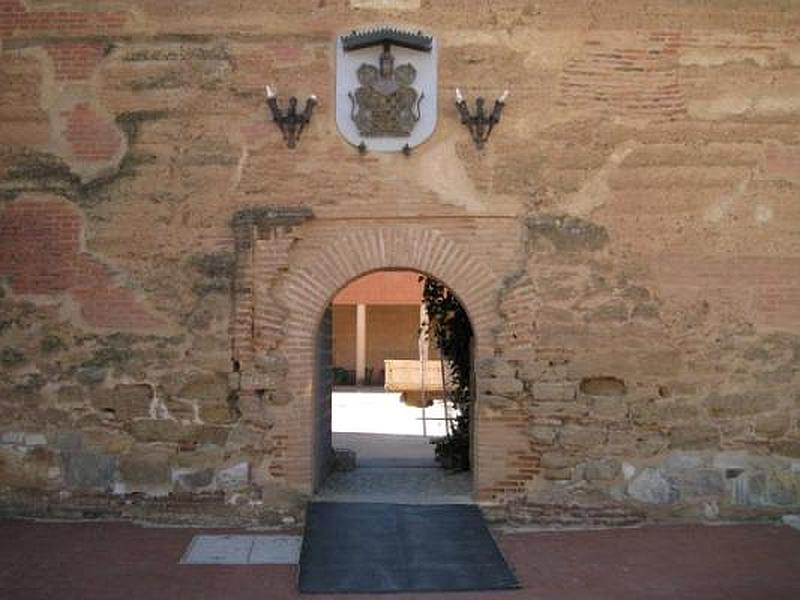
387,35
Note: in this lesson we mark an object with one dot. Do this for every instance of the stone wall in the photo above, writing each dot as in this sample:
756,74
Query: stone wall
626,246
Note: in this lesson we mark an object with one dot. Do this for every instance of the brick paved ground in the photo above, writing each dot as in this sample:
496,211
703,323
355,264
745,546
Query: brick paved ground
119,561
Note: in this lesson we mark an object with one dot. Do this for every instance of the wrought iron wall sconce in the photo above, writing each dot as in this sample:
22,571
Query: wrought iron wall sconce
290,123
480,124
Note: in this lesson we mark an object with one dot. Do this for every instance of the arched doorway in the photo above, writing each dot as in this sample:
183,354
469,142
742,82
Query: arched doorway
392,413
288,268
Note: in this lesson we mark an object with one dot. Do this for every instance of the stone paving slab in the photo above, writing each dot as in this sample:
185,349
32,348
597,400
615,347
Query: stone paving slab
276,550
243,550
218,550
792,521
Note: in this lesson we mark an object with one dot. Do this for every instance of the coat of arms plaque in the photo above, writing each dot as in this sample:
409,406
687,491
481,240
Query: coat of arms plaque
386,88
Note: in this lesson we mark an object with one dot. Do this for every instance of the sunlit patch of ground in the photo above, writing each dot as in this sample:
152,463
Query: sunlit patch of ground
384,412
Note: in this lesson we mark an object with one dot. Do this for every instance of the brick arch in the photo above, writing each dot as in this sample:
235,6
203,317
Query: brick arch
311,283
311,286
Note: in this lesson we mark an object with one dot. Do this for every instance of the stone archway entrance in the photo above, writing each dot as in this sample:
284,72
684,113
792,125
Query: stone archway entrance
289,266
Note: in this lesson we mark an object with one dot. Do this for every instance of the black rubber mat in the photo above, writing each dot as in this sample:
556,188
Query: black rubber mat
373,548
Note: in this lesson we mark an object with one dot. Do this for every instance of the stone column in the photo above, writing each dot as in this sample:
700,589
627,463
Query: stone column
361,343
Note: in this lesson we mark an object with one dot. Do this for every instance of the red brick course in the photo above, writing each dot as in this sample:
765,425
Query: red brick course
40,253
16,19
91,137
75,62
639,80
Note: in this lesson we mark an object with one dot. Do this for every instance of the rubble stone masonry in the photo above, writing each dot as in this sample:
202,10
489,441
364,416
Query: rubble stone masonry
626,246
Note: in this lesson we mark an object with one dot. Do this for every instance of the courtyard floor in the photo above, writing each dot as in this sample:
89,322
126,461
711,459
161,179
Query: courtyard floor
119,561
394,454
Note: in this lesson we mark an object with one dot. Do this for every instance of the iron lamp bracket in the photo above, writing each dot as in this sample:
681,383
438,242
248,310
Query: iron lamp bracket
291,123
481,123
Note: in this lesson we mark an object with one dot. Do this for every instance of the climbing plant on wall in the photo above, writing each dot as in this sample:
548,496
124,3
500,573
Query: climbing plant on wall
449,327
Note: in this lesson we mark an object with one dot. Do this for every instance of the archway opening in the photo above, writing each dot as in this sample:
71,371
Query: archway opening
392,397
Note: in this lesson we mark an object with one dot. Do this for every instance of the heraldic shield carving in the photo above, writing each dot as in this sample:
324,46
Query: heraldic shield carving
386,88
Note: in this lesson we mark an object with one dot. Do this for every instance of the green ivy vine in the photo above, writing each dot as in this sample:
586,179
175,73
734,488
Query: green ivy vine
449,327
